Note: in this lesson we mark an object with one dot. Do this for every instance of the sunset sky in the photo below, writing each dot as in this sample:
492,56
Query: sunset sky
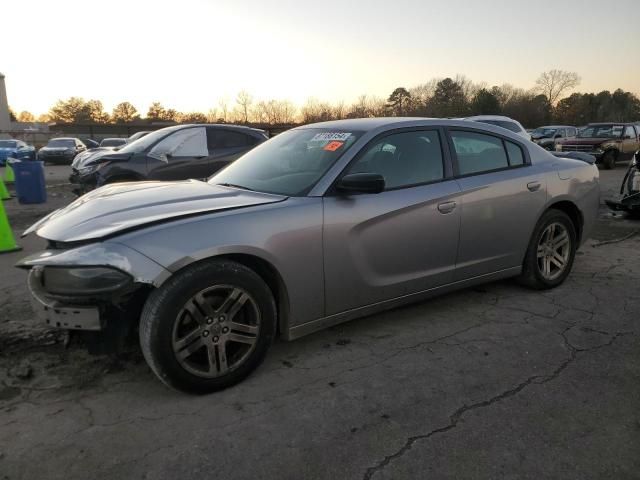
189,54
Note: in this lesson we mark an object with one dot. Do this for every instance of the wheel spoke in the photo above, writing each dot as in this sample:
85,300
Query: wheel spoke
547,266
242,338
552,231
241,327
558,260
560,240
221,357
190,349
201,301
188,339
195,312
233,303
541,251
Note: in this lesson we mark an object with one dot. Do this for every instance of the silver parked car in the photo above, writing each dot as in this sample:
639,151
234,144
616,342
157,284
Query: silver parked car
319,225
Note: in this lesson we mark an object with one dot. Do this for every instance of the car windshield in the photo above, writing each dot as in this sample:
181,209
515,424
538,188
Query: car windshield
502,123
61,143
288,164
141,144
7,144
601,131
544,131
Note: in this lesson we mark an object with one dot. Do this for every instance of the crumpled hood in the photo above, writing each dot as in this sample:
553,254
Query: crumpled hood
82,159
124,206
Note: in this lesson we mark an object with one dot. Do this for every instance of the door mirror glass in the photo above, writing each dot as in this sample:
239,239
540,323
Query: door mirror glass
361,183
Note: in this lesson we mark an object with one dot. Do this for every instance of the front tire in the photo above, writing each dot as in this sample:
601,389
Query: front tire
609,160
551,251
208,327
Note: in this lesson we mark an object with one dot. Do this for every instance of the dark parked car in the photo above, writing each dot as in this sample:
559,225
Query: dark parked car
61,150
113,142
94,153
173,153
608,142
16,149
547,136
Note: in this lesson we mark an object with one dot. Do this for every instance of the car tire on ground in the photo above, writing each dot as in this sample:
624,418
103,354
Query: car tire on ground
208,327
551,251
609,160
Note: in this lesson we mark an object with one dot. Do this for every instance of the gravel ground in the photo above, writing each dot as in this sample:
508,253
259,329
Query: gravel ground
489,382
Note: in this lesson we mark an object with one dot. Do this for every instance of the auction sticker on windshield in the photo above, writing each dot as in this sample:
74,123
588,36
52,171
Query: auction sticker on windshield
331,136
333,146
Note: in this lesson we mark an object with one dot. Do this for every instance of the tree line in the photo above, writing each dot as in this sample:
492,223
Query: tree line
547,102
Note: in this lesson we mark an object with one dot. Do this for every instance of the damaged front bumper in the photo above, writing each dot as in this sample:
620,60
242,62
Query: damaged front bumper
58,315
73,312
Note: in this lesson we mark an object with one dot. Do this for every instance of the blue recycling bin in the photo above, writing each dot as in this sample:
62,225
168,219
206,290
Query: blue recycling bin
29,181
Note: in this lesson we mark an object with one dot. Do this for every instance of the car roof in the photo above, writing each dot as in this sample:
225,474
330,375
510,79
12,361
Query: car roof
366,124
557,126
609,123
491,117
386,123
64,138
230,126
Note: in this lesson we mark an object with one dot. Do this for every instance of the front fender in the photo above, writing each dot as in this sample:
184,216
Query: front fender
287,235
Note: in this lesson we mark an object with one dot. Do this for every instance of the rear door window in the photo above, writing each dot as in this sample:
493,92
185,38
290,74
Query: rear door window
478,153
218,138
516,157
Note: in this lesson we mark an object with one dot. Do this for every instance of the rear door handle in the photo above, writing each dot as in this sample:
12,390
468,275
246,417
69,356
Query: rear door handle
533,186
446,207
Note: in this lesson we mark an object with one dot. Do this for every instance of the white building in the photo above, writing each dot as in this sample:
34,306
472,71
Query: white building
5,120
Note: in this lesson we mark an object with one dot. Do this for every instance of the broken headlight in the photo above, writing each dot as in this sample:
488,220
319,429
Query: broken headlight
83,281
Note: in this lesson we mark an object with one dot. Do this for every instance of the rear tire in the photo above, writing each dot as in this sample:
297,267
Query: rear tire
551,251
609,160
208,327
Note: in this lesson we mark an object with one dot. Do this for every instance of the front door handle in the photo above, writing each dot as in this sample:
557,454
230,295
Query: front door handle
446,207
533,186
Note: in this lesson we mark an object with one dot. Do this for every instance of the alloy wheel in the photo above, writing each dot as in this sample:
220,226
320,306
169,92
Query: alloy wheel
216,331
554,249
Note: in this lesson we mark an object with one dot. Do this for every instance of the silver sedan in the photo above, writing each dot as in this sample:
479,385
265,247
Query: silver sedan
319,225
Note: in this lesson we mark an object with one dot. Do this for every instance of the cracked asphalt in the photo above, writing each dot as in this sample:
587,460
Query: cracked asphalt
491,382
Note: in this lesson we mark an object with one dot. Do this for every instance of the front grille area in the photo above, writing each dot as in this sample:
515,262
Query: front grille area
578,148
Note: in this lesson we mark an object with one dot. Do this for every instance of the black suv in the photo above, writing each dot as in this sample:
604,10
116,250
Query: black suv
173,153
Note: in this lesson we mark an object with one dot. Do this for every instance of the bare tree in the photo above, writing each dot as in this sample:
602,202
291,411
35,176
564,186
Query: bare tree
212,115
554,83
316,111
244,102
340,110
223,108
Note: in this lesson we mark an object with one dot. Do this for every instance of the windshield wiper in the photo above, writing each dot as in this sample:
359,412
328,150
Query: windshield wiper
235,186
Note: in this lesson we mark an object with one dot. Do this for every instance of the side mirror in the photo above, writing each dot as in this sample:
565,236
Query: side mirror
361,183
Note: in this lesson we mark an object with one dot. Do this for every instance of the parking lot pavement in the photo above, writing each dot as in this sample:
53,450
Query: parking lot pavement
491,382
